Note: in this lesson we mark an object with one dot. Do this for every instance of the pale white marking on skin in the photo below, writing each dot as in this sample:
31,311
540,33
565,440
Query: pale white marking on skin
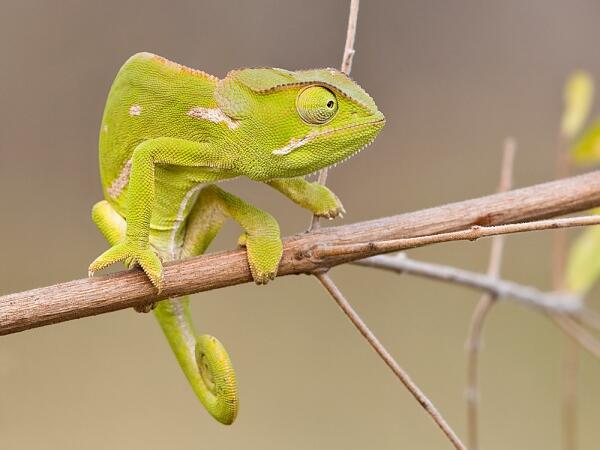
120,182
190,339
105,128
295,144
291,146
179,220
177,303
135,110
214,115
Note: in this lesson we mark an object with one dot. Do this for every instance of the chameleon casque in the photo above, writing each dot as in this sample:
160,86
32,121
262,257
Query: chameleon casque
170,132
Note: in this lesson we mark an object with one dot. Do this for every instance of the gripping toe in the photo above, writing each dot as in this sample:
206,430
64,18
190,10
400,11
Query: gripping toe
145,257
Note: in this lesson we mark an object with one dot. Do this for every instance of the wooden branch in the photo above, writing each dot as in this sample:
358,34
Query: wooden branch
88,297
498,288
470,234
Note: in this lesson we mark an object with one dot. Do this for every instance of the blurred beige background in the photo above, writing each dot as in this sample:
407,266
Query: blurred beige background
453,78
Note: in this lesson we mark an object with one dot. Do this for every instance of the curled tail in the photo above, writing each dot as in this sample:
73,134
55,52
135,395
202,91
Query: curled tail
203,359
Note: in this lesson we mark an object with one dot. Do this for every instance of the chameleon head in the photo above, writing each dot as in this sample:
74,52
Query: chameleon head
296,122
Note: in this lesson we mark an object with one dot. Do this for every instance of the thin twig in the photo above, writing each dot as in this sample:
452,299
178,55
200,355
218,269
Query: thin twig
349,51
590,318
88,297
470,234
570,354
417,393
501,289
569,369
579,334
559,250
483,308
346,67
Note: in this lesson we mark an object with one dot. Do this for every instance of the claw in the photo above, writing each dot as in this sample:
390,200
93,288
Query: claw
145,257
264,254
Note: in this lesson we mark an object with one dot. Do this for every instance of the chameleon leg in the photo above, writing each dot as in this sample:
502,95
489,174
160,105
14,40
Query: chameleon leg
141,195
113,226
309,195
261,230
110,223
203,359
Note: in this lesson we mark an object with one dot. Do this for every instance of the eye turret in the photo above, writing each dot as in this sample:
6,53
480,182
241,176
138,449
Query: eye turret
316,105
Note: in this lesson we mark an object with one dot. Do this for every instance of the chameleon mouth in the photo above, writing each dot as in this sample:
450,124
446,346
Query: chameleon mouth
295,144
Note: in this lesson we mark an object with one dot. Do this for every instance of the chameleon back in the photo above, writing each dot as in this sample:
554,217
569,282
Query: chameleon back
149,98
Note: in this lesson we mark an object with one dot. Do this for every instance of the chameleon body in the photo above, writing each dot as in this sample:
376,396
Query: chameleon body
169,132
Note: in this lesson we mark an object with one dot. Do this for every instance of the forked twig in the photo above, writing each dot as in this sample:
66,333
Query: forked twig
417,393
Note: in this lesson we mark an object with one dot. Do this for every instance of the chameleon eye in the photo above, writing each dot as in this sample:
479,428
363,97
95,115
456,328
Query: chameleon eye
316,105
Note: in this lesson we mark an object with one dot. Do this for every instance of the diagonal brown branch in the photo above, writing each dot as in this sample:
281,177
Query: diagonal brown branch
88,297
400,373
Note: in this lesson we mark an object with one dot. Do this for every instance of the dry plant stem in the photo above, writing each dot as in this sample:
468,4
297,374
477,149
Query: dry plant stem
577,333
484,306
559,250
590,318
569,369
339,298
470,234
88,297
569,354
346,68
500,289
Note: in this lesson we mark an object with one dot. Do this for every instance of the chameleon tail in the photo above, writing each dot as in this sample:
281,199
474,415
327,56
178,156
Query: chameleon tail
203,359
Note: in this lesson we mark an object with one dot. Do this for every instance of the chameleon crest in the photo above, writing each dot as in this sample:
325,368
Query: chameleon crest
169,132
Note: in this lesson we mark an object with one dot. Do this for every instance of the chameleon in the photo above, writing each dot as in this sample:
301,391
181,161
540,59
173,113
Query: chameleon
170,134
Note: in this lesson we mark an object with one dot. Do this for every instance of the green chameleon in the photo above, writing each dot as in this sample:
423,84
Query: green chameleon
169,132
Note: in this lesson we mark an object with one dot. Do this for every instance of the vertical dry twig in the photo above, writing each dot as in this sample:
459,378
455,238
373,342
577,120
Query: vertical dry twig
569,369
484,306
339,298
570,354
345,67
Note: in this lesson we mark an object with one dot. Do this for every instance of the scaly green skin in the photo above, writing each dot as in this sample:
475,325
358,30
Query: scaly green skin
168,130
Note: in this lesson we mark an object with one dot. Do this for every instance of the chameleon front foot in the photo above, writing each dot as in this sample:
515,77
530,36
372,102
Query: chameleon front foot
325,203
142,255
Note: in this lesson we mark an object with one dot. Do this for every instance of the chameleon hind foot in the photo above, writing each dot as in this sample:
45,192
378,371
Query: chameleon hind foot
142,255
264,254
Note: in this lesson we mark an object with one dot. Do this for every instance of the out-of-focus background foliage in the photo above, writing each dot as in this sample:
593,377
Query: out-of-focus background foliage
453,78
